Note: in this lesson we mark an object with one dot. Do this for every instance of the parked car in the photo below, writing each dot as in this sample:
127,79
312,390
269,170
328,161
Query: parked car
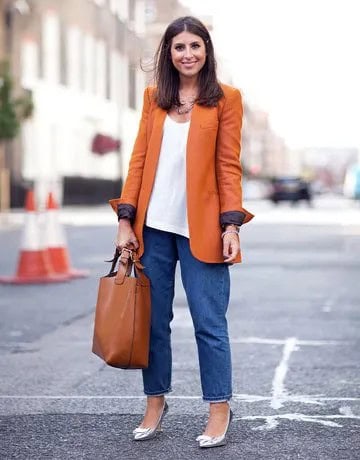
292,189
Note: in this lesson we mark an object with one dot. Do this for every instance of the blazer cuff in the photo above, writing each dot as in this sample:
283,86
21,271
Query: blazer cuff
126,211
232,217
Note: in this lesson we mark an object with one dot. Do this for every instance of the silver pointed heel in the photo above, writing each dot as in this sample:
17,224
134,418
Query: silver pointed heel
143,434
215,441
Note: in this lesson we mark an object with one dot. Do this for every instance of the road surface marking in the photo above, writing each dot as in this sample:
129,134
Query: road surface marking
245,340
278,387
237,397
346,410
269,341
318,400
272,421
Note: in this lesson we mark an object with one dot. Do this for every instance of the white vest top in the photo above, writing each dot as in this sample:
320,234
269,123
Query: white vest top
167,205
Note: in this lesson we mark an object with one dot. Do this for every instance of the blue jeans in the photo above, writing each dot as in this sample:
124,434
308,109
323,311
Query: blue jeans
207,288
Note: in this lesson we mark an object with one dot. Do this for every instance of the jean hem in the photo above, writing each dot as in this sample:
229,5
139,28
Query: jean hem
158,393
218,399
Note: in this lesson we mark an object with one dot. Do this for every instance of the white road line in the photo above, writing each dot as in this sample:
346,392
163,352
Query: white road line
86,397
302,399
246,340
278,387
236,398
272,421
265,341
346,410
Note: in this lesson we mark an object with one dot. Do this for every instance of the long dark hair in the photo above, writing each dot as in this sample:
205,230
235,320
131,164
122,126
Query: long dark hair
167,77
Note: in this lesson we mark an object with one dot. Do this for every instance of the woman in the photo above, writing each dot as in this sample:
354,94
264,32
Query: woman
182,200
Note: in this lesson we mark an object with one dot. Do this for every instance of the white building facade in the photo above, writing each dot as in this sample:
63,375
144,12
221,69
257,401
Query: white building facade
81,61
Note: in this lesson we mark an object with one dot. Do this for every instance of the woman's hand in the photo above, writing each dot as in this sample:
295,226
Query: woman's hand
126,237
231,244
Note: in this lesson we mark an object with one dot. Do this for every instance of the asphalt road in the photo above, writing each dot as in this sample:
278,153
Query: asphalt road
294,322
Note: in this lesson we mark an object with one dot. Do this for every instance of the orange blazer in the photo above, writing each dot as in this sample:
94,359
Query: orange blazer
213,170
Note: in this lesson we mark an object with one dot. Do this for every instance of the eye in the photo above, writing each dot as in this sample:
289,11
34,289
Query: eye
195,45
179,47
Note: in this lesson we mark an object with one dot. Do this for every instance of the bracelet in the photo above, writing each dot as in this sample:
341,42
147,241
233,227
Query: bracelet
229,231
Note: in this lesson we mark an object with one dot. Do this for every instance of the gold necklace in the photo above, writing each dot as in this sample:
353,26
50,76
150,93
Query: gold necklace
186,105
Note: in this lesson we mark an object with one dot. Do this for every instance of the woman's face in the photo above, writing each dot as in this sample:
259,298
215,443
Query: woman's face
188,53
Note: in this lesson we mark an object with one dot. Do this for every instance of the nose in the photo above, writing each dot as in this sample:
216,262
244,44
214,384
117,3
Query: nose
188,52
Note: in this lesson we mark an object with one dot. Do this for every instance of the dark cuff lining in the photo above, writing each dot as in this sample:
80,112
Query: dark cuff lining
232,217
126,211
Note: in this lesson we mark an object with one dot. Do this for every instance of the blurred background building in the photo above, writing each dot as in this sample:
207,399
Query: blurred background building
83,63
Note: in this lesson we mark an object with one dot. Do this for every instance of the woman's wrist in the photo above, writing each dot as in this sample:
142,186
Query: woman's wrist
124,222
231,227
227,232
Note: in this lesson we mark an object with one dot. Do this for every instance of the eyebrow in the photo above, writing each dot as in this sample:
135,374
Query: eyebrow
192,43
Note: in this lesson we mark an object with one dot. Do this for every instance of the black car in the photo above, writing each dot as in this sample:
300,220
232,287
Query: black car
293,189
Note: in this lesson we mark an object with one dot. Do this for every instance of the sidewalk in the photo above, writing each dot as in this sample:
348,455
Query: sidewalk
70,215
326,211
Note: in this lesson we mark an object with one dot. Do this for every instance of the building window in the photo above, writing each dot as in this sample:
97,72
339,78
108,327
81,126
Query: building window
114,76
51,47
114,6
123,9
123,81
63,54
100,68
73,41
150,11
107,72
131,11
139,17
89,64
29,63
100,2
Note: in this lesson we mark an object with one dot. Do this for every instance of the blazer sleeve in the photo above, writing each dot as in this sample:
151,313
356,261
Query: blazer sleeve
125,206
228,164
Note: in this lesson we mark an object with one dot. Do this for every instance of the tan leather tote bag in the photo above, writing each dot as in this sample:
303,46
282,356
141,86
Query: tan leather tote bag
122,315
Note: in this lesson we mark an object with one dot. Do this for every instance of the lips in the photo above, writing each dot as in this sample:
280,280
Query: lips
189,63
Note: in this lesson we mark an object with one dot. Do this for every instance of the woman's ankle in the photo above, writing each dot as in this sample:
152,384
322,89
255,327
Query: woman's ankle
219,406
155,401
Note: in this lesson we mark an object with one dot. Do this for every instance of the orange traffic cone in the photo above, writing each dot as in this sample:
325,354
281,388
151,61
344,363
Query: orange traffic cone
55,242
34,265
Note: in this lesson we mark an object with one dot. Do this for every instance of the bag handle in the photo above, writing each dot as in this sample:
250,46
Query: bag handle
126,260
113,261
